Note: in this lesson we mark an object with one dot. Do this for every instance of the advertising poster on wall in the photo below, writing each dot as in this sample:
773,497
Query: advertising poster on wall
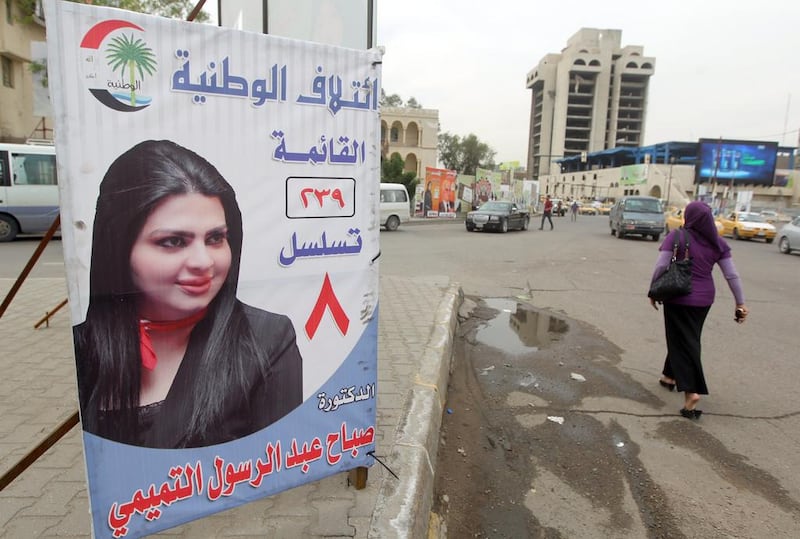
487,185
439,195
517,193
633,175
220,225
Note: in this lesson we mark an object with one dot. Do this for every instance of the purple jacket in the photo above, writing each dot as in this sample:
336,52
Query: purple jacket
706,248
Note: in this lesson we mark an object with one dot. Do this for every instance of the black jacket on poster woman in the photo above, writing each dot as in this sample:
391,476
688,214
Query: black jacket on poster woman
270,389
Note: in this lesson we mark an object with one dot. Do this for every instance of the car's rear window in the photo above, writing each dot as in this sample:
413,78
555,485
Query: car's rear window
643,205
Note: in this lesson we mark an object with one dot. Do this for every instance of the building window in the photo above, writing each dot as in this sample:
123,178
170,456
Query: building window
8,72
395,135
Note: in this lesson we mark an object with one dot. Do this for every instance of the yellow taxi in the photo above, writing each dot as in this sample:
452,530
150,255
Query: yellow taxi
746,225
674,219
604,209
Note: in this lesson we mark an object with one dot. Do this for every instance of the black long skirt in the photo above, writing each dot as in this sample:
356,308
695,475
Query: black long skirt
684,327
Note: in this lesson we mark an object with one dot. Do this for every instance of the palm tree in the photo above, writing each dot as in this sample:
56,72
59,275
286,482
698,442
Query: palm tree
126,52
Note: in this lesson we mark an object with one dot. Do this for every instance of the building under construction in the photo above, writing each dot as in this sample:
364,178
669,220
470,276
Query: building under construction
589,97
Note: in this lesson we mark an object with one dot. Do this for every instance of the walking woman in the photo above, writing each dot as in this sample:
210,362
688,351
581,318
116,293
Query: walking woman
167,356
684,316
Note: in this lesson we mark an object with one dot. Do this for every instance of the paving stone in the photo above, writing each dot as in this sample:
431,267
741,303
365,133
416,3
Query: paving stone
332,518
12,507
28,526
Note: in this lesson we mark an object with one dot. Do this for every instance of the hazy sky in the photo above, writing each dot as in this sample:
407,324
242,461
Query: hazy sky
722,68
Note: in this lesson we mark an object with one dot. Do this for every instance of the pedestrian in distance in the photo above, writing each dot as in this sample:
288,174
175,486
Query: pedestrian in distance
573,209
684,316
427,204
547,212
167,356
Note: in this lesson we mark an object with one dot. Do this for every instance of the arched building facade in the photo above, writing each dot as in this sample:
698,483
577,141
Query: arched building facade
413,134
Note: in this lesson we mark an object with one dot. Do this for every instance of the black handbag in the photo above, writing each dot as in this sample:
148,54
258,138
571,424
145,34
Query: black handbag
676,281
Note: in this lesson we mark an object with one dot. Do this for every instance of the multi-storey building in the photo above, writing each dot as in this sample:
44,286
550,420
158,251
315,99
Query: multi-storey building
413,134
589,97
19,120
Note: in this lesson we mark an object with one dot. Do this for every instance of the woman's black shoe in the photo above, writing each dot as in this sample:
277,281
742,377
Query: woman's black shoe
669,386
691,414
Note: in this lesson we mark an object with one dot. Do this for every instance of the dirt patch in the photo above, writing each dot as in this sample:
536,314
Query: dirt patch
505,470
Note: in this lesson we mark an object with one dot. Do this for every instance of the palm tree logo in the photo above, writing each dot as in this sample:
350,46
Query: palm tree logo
126,52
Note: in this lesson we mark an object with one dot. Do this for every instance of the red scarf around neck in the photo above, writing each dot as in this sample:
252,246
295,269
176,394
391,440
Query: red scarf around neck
149,359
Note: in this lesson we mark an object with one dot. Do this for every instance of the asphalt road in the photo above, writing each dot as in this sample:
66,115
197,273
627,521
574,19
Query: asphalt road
736,473
15,255
732,474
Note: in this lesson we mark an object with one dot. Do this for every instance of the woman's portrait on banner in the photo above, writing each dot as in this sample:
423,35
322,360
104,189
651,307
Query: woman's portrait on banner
167,356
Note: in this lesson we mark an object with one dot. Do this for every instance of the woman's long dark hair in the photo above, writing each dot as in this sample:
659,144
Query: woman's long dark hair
107,344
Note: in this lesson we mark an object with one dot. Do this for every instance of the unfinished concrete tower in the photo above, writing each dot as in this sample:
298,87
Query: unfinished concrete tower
589,97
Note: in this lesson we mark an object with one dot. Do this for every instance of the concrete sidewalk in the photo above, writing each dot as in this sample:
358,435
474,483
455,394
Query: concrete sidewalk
417,322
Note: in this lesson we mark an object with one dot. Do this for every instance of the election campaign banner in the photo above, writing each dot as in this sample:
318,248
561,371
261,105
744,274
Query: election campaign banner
220,223
439,196
487,185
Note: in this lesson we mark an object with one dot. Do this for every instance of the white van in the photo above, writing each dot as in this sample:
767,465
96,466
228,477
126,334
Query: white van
395,205
28,189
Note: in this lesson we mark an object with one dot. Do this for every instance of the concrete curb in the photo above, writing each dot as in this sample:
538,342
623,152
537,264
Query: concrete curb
403,506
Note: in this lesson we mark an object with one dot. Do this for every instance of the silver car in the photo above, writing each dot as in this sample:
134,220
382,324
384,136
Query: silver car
640,215
789,236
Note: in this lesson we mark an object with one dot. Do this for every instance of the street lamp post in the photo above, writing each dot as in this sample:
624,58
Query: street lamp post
669,179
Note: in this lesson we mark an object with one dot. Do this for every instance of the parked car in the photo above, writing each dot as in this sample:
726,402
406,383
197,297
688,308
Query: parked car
394,205
674,219
498,215
746,225
28,189
637,215
789,236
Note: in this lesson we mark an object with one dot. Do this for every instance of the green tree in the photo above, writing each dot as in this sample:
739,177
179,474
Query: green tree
450,151
393,171
466,154
393,100
125,52
412,103
476,154
174,9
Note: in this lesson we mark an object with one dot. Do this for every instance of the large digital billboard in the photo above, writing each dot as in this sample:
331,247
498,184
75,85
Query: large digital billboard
740,161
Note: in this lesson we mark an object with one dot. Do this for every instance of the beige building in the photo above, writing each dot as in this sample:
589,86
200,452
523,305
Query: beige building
18,121
413,134
589,97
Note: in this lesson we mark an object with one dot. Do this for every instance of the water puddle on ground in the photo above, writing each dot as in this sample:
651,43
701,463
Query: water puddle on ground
518,329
